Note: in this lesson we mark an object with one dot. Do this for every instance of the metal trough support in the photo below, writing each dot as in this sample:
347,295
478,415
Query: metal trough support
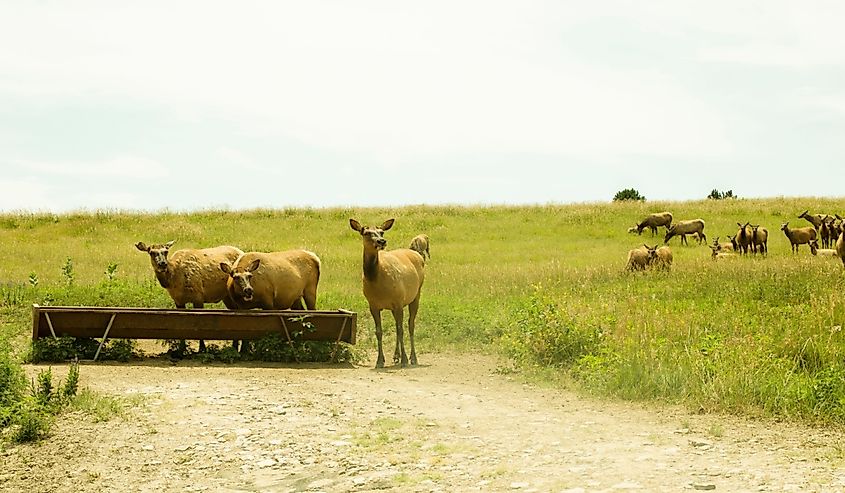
209,324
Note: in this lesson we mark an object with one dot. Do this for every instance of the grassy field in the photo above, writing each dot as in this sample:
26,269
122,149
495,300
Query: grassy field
544,284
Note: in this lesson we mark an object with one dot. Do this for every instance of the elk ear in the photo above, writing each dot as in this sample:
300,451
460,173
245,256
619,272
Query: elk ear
254,265
169,243
141,246
225,267
388,224
356,225
740,225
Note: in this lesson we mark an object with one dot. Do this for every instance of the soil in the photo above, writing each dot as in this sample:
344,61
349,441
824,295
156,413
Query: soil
456,423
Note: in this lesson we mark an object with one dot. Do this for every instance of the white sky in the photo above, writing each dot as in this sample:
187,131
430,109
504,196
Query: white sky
196,105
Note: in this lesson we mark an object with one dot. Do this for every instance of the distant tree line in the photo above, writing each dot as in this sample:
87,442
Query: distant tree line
634,194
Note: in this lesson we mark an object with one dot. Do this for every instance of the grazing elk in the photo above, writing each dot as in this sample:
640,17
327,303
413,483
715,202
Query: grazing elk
684,228
392,280
652,221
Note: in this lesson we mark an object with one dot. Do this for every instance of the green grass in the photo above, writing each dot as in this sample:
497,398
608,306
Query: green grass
544,284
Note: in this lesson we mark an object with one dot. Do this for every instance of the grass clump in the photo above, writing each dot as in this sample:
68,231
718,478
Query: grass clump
27,416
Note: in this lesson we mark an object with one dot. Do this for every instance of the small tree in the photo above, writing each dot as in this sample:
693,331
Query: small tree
717,195
628,194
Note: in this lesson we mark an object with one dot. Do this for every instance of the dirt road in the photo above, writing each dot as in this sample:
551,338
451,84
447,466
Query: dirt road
453,424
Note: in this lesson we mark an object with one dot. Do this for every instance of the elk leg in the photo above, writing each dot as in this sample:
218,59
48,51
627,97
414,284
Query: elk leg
377,319
412,317
310,297
400,339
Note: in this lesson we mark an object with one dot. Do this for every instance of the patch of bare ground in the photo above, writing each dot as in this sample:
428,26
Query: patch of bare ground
451,424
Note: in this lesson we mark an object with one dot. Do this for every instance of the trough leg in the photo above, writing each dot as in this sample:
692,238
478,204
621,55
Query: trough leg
377,319
232,306
412,317
202,342
399,354
183,347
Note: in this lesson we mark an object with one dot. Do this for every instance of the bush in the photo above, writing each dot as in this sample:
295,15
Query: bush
717,195
544,334
628,194
66,348
26,418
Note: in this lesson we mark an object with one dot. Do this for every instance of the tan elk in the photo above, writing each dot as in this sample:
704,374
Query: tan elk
814,219
744,238
684,228
798,236
760,239
392,280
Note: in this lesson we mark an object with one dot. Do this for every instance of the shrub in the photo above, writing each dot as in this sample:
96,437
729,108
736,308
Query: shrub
66,348
628,194
27,418
717,195
544,334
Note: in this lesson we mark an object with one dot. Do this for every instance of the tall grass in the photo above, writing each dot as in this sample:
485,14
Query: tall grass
543,283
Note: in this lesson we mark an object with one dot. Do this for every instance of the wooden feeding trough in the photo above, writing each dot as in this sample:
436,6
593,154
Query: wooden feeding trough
209,324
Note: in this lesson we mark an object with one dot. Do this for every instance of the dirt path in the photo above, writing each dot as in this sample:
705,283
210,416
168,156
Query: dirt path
454,424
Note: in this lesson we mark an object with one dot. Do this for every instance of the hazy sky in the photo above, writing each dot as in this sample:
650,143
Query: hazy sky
196,105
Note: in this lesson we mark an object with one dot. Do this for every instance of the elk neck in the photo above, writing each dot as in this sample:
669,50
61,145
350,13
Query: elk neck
370,263
163,278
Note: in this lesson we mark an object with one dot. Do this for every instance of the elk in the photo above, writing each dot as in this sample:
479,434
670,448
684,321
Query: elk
814,219
684,228
760,239
392,280
191,275
743,237
798,236
652,221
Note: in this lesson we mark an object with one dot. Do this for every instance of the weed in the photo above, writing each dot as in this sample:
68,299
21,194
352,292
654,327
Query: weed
67,271
111,271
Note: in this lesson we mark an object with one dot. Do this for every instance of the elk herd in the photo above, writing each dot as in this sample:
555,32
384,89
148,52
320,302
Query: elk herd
749,238
285,280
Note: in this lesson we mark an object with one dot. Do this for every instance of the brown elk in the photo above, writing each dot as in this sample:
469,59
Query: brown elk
392,280
798,236
273,281
814,219
191,276
744,237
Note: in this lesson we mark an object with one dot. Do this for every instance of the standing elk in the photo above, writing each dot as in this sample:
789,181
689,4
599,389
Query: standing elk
743,237
192,276
814,219
760,239
392,280
421,244
684,228
798,236
653,221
